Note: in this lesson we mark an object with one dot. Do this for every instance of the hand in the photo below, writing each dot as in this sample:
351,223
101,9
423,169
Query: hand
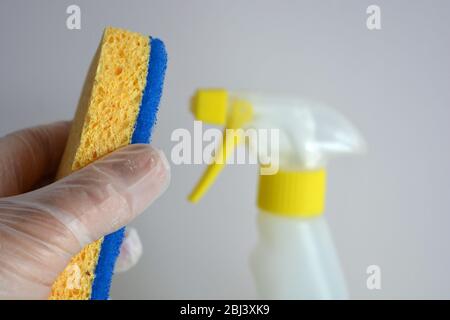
130,251
42,228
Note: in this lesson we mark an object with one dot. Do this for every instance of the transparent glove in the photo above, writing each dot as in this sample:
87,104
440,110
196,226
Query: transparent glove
40,230
130,251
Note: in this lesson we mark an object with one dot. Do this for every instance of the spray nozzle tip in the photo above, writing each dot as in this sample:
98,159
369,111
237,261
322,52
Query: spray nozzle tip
210,106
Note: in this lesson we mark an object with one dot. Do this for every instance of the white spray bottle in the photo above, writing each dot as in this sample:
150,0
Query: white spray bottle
295,257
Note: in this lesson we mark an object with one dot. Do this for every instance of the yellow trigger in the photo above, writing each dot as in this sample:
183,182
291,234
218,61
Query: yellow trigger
213,107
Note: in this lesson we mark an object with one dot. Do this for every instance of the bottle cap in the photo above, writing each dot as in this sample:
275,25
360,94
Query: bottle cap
293,193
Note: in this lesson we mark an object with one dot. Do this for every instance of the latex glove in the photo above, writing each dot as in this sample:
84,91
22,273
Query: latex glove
130,251
41,230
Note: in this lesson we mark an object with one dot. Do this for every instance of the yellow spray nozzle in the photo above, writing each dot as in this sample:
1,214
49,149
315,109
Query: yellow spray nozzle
213,106
210,106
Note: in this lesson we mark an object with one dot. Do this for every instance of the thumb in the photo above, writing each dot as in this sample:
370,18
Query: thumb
105,195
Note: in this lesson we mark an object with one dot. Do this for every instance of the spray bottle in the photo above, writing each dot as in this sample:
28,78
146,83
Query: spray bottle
295,257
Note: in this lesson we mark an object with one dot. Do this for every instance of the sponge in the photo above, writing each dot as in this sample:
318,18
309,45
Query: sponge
117,107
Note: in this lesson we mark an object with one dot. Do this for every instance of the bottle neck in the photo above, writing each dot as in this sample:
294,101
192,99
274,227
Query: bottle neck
293,193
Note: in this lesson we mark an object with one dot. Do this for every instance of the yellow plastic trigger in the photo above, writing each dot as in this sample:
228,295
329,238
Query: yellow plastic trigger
240,113
212,171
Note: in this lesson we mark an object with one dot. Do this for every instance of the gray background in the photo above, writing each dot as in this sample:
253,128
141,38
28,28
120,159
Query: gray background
390,207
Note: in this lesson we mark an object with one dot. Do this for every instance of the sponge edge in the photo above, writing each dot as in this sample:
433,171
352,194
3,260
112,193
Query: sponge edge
142,134
118,106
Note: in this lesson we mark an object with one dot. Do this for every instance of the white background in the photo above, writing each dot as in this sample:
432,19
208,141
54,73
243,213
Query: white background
389,208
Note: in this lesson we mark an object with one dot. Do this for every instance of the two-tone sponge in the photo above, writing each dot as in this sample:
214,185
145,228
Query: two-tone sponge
117,107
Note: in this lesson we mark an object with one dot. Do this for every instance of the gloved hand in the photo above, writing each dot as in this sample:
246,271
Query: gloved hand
130,251
40,230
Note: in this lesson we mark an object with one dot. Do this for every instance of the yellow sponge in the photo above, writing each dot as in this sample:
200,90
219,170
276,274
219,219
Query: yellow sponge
117,107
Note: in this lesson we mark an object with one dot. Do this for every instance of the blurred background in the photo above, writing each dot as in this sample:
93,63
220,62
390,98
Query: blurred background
389,208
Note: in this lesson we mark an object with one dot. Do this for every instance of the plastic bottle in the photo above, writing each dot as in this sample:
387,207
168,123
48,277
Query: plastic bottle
295,257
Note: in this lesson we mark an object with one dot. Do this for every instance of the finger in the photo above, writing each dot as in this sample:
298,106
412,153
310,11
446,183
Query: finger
130,251
29,155
105,195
